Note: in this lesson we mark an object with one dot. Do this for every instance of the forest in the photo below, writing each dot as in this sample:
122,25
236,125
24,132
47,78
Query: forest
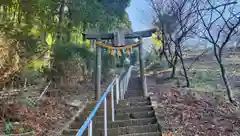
41,46
44,29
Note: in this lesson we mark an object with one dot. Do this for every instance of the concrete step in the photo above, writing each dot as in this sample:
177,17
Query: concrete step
144,134
144,114
73,132
130,130
122,104
130,109
124,116
134,116
125,123
117,130
135,109
133,95
138,99
141,103
91,105
81,119
134,92
117,123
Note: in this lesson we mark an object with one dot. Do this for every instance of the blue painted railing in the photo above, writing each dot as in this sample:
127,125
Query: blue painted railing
121,87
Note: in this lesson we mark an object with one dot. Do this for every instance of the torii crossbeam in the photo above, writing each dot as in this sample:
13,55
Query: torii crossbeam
112,36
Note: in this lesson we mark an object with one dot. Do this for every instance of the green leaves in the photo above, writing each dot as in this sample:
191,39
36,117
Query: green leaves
63,52
105,15
45,27
8,127
98,13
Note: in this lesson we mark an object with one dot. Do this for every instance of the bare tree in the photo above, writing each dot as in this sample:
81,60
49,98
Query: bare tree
218,26
165,19
183,16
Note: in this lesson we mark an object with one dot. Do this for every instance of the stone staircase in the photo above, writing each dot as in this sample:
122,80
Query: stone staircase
134,117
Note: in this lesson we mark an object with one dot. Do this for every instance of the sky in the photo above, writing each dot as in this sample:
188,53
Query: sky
140,15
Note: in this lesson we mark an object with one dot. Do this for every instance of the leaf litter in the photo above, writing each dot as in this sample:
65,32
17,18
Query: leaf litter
191,113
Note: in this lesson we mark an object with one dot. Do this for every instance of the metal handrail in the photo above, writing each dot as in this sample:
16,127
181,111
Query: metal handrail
124,82
121,88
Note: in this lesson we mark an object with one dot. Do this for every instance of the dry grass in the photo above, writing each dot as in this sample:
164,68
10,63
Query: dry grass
9,58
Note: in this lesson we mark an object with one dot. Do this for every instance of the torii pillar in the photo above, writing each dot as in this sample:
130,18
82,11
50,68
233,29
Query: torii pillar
141,63
110,36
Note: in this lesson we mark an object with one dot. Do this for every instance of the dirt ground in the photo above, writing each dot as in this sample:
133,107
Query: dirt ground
189,112
203,109
48,116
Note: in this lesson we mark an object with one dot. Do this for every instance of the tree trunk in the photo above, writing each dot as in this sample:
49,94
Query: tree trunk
60,21
179,54
4,13
84,27
70,23
161,53
175,60
223,74
14,13
19,15
184,70
170,63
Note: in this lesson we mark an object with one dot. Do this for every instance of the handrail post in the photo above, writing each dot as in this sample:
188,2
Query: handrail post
88,122
105,117
124,80
124,85
129,74
117,89
112,103
122,89
90,128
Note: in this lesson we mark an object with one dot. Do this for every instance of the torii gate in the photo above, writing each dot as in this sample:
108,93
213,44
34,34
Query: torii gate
118,39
